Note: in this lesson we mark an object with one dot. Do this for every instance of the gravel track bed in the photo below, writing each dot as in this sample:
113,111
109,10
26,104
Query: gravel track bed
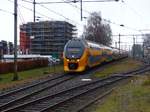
53,101
19,95
28,83
77,104
77,81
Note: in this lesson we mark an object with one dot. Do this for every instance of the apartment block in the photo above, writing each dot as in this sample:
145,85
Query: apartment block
25,42
5,48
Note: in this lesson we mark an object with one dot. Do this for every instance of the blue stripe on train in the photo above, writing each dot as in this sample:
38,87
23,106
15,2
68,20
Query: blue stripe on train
94,59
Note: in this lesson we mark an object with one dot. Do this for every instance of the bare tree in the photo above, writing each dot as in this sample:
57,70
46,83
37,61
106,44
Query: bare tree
96,30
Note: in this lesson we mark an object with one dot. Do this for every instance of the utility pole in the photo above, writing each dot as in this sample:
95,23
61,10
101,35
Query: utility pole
119,43
15,77
1,53
143,49
133,46
34,10
115,44
81,9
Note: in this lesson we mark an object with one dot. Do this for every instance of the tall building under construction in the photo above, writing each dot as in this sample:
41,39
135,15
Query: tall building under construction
45,37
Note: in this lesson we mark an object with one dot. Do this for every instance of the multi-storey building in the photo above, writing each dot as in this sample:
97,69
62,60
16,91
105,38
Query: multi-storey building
1,50
24,42
47,37
5,48
10,48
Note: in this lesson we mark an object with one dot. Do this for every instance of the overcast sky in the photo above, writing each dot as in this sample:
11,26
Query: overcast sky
133,14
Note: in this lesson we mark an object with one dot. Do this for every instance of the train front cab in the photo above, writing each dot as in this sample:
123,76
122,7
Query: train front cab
75,56
76,65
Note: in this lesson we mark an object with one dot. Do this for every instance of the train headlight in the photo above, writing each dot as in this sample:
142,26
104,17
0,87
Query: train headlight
67,59
78,60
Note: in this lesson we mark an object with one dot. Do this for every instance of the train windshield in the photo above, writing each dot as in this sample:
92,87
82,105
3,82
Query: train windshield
74,49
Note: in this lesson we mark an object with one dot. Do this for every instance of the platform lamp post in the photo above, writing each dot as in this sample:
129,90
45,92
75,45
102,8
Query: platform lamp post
133,46
15,77
34,3
119,43
119,37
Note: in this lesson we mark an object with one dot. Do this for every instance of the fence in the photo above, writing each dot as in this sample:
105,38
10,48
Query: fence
7,67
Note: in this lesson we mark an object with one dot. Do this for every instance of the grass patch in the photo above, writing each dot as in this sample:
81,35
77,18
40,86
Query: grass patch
122,66
28,75
133,97
147,81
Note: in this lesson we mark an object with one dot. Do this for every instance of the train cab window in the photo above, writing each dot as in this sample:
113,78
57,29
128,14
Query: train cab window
74,49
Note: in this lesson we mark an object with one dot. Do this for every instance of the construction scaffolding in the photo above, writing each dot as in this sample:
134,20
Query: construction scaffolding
48,37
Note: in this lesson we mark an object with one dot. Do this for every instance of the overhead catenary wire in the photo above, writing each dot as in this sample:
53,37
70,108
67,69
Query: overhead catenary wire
58,14
29,9
27,1
108,21
6,11
21,16
132,9
69,2
75,1
61,15
73,5
20,5
72,21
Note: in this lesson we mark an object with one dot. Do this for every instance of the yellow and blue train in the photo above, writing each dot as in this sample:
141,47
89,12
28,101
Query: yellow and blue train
80,54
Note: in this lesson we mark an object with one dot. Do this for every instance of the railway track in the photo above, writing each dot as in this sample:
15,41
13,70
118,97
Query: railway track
35,90
99,94
15,96
57,98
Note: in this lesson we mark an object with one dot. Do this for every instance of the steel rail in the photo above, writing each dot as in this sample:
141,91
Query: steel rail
13,102
38,90
96,86
29,86
94,100
124,75
81,107
60,93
